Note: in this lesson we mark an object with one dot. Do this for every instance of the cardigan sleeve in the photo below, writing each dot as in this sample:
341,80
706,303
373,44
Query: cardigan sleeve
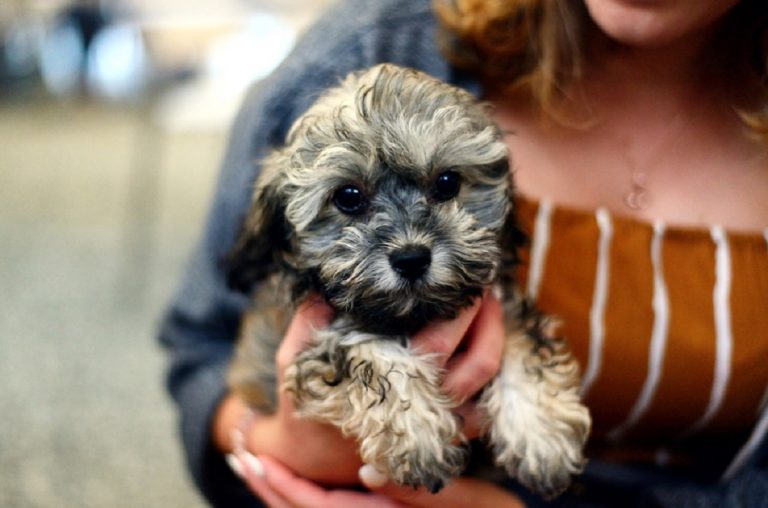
748,488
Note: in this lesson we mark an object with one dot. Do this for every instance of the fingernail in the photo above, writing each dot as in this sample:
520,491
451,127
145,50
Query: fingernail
372,477
235,465
253,464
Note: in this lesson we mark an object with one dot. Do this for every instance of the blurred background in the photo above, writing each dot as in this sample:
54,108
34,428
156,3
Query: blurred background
113,119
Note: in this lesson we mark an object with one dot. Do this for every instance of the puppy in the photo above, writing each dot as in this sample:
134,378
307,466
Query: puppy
392,199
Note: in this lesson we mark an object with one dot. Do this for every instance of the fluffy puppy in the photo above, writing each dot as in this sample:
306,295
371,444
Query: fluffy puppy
392,199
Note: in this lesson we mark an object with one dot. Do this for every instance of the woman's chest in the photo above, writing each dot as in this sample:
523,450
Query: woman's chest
669,324
710,176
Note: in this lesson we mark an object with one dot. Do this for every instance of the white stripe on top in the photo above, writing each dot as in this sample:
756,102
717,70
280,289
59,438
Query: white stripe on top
658,343
539,248
599,299
758,433
724,341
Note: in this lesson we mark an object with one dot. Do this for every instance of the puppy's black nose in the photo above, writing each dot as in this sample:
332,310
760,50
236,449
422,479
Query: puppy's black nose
411,262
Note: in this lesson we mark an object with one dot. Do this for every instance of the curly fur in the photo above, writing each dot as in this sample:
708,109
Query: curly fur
391,132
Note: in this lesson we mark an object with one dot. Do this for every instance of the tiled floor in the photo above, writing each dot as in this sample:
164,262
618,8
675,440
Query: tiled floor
98,210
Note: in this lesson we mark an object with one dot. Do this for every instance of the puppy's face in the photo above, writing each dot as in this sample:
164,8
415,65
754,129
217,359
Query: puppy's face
389,199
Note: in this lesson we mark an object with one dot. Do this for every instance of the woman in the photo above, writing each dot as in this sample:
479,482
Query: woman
638,131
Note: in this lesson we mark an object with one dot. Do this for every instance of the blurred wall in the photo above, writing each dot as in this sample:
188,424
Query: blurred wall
109,150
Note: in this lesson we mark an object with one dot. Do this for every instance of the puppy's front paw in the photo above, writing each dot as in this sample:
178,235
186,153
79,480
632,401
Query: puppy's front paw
544,455
538,426
405,424
430,465
318,387
389,400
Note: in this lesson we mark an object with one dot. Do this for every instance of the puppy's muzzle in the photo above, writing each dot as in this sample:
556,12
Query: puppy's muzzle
411,262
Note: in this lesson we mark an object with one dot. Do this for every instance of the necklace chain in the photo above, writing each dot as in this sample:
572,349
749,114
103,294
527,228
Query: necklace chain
638,196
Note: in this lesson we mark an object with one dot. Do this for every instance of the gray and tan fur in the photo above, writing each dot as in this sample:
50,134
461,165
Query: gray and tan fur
431,227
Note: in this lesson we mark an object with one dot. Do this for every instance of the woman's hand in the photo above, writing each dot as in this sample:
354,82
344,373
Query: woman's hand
469,348
459,493
278,487
315,450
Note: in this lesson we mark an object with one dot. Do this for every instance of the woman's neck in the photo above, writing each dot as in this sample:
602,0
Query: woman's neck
666,79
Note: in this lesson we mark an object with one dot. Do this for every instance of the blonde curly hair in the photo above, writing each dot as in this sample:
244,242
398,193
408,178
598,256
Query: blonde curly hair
538,48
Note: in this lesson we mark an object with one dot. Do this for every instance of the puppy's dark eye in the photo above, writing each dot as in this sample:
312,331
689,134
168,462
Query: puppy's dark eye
350,200
447,186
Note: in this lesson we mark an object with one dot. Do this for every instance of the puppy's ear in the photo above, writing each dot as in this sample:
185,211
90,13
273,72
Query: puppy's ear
263,240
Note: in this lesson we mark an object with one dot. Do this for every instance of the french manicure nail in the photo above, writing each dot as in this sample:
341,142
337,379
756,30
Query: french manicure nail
253,464
235,465
372,477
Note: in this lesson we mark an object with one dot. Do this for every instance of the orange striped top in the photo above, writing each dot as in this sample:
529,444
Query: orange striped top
670,326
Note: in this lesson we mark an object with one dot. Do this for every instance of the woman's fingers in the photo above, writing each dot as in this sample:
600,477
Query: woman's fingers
458,493
408,495
441,338
251,471
478,363
279,487
473,420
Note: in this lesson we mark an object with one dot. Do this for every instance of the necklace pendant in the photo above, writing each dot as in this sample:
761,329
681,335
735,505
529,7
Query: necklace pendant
637,198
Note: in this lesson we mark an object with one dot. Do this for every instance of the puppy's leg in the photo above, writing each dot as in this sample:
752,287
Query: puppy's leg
538,425
388,398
